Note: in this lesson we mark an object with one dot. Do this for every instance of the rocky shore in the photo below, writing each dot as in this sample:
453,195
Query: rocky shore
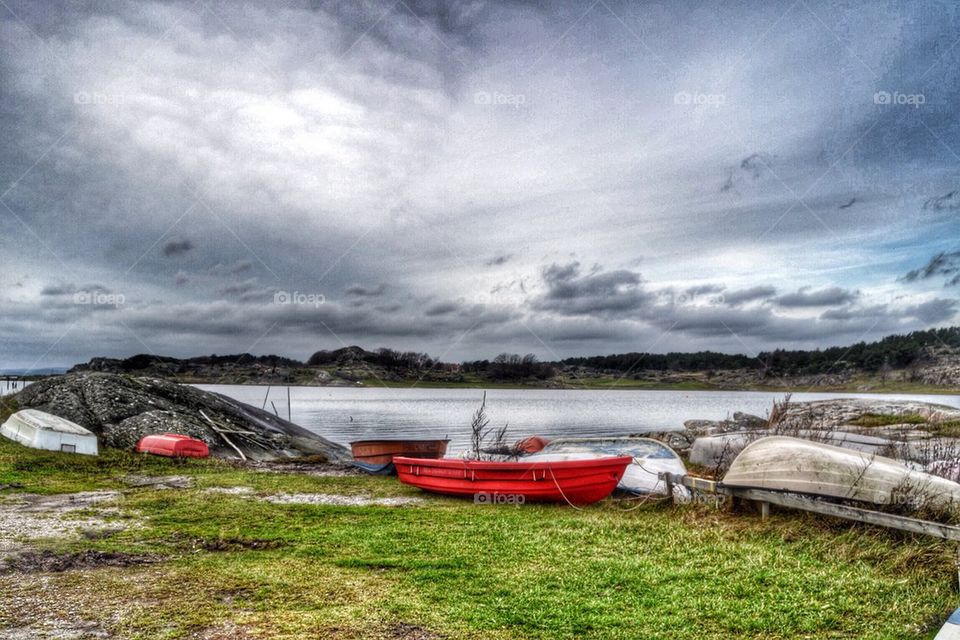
122,409
923,433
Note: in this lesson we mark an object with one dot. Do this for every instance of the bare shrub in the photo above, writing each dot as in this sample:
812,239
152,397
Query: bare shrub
778,412
487,441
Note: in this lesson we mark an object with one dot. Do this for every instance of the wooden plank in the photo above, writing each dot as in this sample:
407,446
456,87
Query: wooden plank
814,505
807,503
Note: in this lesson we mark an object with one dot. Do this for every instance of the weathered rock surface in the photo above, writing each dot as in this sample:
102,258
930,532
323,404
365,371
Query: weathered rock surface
838,412
123,409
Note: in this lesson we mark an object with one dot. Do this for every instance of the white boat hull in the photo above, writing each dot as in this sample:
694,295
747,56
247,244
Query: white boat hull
650,458
39,430
782,463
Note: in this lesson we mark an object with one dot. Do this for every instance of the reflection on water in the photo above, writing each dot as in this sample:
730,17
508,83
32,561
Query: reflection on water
343,414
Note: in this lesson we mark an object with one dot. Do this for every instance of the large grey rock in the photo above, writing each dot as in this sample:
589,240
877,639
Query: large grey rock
122,409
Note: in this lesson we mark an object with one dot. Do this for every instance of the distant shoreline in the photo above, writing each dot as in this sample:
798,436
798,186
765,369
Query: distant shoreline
605,384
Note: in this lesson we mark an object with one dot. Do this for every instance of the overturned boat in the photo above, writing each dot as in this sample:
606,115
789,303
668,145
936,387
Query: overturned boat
41,430
376,456
782,463
649,458
713,451
575,482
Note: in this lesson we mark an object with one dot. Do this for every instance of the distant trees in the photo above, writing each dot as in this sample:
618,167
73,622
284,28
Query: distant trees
893,352
387,358
511,367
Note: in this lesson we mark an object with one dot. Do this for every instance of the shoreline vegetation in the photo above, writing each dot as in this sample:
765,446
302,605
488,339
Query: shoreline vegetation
127,546
132,546
923,362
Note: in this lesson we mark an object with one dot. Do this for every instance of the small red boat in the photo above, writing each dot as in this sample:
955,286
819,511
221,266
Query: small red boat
575,482
376,456
173,445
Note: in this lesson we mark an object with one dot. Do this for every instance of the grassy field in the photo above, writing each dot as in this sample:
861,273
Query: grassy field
236,566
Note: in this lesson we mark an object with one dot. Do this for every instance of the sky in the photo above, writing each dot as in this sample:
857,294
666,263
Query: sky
471,178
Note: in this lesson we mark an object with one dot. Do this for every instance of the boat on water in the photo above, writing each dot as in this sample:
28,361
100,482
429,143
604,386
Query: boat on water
376,456
649,458
782,463
41,430
576,482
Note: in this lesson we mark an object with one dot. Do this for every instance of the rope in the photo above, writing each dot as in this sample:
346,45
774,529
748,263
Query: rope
557,485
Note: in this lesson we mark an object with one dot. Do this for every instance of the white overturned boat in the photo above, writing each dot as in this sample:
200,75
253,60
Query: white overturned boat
951,628
781,463
650,458
40,430
711,451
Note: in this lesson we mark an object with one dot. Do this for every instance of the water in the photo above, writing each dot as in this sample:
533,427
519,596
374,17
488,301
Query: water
343,414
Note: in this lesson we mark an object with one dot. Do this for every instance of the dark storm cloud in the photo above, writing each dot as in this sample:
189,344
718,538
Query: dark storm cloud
808,297
362,291
320,145
442,309
599,292
945,264
496,261
177,247
750,294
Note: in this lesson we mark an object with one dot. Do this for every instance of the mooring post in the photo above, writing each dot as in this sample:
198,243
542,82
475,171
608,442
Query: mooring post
764,510
668,483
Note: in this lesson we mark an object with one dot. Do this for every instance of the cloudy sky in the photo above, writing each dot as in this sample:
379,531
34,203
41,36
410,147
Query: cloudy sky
468,178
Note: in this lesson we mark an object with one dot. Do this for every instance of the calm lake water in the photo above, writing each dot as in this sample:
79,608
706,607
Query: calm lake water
343,414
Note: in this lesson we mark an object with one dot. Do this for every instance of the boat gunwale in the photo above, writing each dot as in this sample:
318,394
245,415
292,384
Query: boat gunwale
504,465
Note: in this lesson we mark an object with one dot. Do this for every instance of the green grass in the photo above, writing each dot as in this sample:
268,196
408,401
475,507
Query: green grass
470,571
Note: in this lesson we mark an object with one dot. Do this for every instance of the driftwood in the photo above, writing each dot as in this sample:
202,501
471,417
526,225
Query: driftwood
223,435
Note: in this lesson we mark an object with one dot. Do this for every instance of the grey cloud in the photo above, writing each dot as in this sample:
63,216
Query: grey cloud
807,297
704,289
947,202
442,309
240,288
742,296
181,278
66,289
177,247
750,168
599,292
240,266
361,291
933,311
498,260
945,263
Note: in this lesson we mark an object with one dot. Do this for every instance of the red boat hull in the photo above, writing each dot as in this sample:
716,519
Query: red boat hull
384,451
173,445
576,482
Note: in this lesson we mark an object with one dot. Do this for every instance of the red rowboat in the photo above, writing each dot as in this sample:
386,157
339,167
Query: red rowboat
173,445
376,456
570,481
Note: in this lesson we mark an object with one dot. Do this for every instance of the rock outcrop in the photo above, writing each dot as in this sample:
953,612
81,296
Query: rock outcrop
122,409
